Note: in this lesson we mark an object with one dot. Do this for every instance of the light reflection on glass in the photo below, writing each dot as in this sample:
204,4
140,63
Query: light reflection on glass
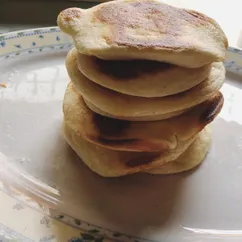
214,231
39,85
12,175
231,109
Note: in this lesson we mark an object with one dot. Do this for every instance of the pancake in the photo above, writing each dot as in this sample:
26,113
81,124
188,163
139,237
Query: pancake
110,163
156,136
191,158
128,107
151,30
140,118
141,78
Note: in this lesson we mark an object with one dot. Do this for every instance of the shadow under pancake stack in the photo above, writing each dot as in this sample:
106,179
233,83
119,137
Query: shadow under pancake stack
145,80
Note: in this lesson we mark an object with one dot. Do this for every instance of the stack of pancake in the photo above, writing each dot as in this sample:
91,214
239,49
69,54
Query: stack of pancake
145,80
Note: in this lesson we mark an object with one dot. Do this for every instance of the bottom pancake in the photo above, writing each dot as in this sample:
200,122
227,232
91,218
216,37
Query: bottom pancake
191,158
111,163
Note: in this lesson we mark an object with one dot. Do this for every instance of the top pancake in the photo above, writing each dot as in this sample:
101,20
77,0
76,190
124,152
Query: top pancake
145,29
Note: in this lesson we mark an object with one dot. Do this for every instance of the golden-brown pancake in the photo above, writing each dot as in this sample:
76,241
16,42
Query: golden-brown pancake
145,29
127,107
142,78
156,136
110,163
153,117
191,158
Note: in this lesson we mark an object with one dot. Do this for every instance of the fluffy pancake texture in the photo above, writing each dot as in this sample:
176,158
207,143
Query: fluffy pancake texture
128,107
137,29
141,78
157,136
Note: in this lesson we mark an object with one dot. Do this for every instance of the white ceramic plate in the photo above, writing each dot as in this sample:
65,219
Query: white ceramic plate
39,168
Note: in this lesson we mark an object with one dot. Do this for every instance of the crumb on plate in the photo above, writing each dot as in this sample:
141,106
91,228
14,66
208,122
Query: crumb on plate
3,85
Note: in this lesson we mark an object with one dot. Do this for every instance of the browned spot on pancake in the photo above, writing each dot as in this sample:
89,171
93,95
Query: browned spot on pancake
130,69
159,24
70,13
213,109
204,19
108,126
144,160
